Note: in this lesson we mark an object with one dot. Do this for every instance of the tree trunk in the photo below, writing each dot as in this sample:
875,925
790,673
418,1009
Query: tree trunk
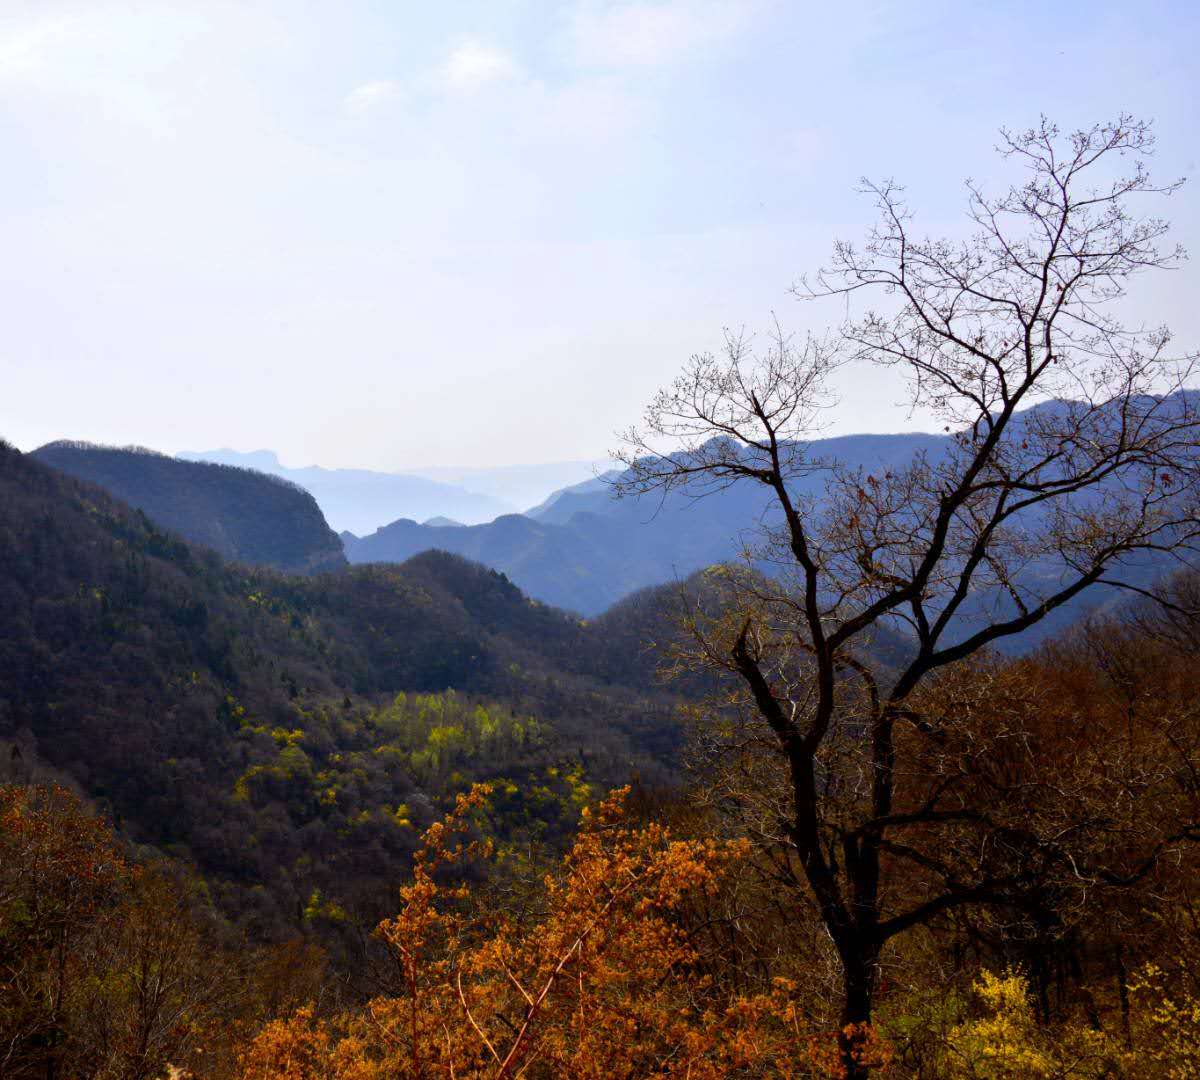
859,964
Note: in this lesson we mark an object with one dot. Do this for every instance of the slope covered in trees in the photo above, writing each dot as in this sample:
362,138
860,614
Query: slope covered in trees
289,735
242,515
658,947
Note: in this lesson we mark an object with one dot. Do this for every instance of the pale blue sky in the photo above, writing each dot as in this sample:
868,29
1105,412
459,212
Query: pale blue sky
408,234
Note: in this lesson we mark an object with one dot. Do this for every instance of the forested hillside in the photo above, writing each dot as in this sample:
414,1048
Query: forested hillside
1084,966
291,735
244,516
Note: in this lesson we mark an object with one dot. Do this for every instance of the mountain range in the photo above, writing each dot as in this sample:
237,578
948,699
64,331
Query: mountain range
185,642
579,550
520,486
361,500
583,549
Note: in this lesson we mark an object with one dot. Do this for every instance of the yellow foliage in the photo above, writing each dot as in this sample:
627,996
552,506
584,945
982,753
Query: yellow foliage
604,983
1006,1043
1166,1027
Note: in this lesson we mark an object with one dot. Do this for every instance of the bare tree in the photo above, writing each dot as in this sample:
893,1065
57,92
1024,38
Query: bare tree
1026,509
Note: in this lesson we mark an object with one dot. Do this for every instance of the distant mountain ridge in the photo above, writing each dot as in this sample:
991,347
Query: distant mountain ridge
522,486
565,567
359,500
597,484
242,514
584,550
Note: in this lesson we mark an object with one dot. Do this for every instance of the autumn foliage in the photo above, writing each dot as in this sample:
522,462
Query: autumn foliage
655,950
602,978
661,942
111,970
652,948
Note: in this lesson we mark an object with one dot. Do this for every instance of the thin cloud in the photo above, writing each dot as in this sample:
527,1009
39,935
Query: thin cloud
473,65
26,52
363,99
100,56
649,34
467,69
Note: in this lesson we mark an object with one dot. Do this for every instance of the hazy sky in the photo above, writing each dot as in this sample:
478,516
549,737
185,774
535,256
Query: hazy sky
403,234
